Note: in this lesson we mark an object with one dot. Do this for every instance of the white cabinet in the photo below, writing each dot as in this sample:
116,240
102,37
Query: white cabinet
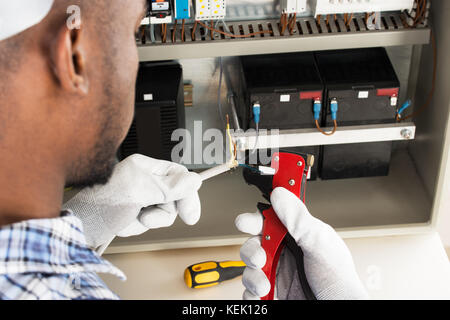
408,201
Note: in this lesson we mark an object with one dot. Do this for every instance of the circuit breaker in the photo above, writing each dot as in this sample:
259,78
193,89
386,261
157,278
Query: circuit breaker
182,9
160,12
324,7
210,9
293,6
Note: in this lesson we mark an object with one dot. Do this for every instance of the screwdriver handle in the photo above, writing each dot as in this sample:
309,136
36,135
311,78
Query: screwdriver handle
211,273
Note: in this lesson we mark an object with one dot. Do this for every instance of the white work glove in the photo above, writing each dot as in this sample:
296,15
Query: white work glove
328,263
142,194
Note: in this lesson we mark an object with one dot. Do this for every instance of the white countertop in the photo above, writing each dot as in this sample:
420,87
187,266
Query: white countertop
402,267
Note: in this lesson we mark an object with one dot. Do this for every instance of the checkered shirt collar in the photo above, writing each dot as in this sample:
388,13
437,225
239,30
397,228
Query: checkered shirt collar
50,246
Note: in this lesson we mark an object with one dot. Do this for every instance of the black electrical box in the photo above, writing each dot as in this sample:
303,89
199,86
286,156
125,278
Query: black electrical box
159,111
285,86
366,87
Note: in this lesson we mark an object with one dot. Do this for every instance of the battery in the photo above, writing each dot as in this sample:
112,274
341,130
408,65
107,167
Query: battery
366,87
285,86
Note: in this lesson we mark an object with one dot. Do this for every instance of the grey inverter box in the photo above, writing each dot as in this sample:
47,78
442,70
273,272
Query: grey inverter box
366,87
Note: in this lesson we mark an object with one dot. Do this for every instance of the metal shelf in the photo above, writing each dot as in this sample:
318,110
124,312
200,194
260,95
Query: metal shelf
309,35
312,137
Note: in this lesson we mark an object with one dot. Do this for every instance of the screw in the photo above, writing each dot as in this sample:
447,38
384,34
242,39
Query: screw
299,163
406,134
292,182
277,158
267,238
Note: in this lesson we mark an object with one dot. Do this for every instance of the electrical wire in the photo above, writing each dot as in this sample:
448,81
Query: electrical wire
174,31
164,32
283,23
233,35
433,85
232,145
219,91
292,22
183,30
256,140
152,33
194,29
327,133
212,30
349,20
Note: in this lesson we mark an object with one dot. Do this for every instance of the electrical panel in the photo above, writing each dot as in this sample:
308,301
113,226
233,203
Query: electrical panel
160,12
210,9
181,9
293,6
324,7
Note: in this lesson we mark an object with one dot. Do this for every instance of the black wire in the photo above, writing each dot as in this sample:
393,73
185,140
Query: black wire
292,245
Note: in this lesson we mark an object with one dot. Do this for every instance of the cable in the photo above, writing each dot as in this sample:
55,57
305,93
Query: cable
292,22
256,118
349,20
233,35
183,30
433,84
317,110
193,30
219,91
152,33
174,31
164,32
212,30
233,147
405,106
283,23
327,133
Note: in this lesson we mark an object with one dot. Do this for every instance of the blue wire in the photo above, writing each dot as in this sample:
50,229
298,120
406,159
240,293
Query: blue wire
249,167
405,106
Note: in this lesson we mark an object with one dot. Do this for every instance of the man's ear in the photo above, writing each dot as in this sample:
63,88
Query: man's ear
69,61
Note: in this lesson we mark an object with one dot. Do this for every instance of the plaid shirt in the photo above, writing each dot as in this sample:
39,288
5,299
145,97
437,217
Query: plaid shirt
49,259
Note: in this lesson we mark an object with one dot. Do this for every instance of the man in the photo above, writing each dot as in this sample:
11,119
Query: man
67,101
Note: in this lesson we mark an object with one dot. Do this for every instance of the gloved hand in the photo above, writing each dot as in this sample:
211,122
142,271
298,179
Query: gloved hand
328,263
142,194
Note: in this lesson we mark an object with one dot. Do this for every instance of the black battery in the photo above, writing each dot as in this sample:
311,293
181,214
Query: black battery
285,86
366,88
159,111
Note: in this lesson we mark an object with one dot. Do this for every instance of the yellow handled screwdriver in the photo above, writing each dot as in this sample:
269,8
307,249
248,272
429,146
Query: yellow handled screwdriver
211,273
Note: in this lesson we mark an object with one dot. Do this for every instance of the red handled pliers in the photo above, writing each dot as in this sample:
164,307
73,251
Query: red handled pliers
291,172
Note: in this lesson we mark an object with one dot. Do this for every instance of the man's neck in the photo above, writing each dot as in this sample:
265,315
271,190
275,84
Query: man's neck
29,191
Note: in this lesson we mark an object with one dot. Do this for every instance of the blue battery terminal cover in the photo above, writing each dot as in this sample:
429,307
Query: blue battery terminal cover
317,109
334,107
256,112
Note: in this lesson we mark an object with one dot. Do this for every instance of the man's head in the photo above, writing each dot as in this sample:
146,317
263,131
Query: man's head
67,94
